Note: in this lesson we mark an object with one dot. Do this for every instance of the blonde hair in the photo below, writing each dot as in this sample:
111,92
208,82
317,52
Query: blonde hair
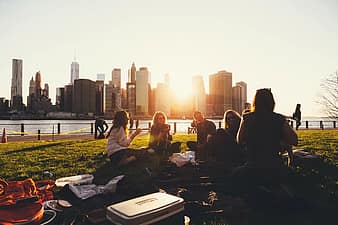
157,115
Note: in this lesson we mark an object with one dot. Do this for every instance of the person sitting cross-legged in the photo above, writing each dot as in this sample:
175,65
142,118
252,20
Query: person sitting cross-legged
118,141
206,129
160,137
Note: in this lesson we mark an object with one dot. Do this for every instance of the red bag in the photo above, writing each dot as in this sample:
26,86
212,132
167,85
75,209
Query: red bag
21,201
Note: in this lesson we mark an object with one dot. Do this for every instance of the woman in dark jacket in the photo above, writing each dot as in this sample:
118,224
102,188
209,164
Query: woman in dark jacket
264,132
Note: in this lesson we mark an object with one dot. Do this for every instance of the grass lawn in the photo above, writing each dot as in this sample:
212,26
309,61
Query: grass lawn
20,160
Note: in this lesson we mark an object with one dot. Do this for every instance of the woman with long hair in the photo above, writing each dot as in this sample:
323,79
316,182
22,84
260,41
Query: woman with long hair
160,137
119,140
224,150
263,131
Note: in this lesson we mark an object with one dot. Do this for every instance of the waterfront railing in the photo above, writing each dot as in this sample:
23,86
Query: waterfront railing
184,126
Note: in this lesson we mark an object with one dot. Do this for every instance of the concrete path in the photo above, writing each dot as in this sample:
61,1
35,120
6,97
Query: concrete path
16,138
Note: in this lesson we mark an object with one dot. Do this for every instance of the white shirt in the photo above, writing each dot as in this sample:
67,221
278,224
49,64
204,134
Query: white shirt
117,141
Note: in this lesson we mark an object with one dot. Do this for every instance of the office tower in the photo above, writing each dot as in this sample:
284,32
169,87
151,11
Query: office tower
84,96
236,98
131,98
100,76
46,90
31,87
38,84
243,95
124,104
132,74
131,90
162,98
142,91
60,99
220,90
68,99
31,94
198,94
16,88
113,99
116,77
99,93
74,72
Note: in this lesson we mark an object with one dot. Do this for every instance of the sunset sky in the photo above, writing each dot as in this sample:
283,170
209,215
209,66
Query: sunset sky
289,46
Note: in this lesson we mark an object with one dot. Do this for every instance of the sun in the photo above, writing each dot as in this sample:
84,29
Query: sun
181,91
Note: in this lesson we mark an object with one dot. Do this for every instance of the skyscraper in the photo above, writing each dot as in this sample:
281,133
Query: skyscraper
236,98
16,88
38,84
31,87
116,78
74,72
99,93
142,91
131,98
132,74
113,99
220,89
199,95
162,98
244,95
84,96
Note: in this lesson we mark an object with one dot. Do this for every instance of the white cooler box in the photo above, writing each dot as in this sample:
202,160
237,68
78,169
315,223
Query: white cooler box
146,209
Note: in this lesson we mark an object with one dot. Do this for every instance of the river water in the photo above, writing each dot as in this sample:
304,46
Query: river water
31,127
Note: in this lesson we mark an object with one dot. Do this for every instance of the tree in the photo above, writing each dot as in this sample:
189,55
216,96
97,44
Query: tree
328,97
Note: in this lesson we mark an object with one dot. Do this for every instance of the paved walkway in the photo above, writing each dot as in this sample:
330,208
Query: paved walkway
16,138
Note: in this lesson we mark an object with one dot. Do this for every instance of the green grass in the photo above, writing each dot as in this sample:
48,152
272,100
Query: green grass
315,183
19,160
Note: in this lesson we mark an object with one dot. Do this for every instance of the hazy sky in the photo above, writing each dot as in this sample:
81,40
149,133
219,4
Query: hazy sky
288,45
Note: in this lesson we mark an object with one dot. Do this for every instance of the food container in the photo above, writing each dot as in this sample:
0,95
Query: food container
147,209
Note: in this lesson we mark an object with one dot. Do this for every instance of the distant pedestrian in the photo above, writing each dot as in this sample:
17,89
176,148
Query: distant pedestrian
297,116
100,126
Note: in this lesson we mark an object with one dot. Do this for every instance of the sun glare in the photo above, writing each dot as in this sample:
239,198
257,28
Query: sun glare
181,91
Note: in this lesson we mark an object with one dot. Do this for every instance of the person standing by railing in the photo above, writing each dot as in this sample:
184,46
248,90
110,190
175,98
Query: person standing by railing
100,126
297,116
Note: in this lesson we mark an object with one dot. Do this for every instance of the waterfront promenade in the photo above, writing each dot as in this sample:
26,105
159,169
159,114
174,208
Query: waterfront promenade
17,138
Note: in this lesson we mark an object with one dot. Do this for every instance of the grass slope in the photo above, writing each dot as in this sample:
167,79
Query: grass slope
315,183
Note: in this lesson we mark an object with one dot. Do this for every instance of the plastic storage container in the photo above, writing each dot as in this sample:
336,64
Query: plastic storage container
147,209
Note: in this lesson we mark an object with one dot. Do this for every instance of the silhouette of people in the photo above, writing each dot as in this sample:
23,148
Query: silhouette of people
263,131
160,137
100,126
297,116
225,151
119,141
206,129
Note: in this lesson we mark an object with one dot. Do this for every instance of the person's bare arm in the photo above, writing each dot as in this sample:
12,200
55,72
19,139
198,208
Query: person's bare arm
289,135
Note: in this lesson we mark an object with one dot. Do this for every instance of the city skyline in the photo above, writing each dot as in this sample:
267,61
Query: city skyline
289,46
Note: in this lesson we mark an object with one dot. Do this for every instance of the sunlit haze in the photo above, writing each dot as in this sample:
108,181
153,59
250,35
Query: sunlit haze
289,46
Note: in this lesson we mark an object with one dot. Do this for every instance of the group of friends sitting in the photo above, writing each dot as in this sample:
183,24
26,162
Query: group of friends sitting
250,145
